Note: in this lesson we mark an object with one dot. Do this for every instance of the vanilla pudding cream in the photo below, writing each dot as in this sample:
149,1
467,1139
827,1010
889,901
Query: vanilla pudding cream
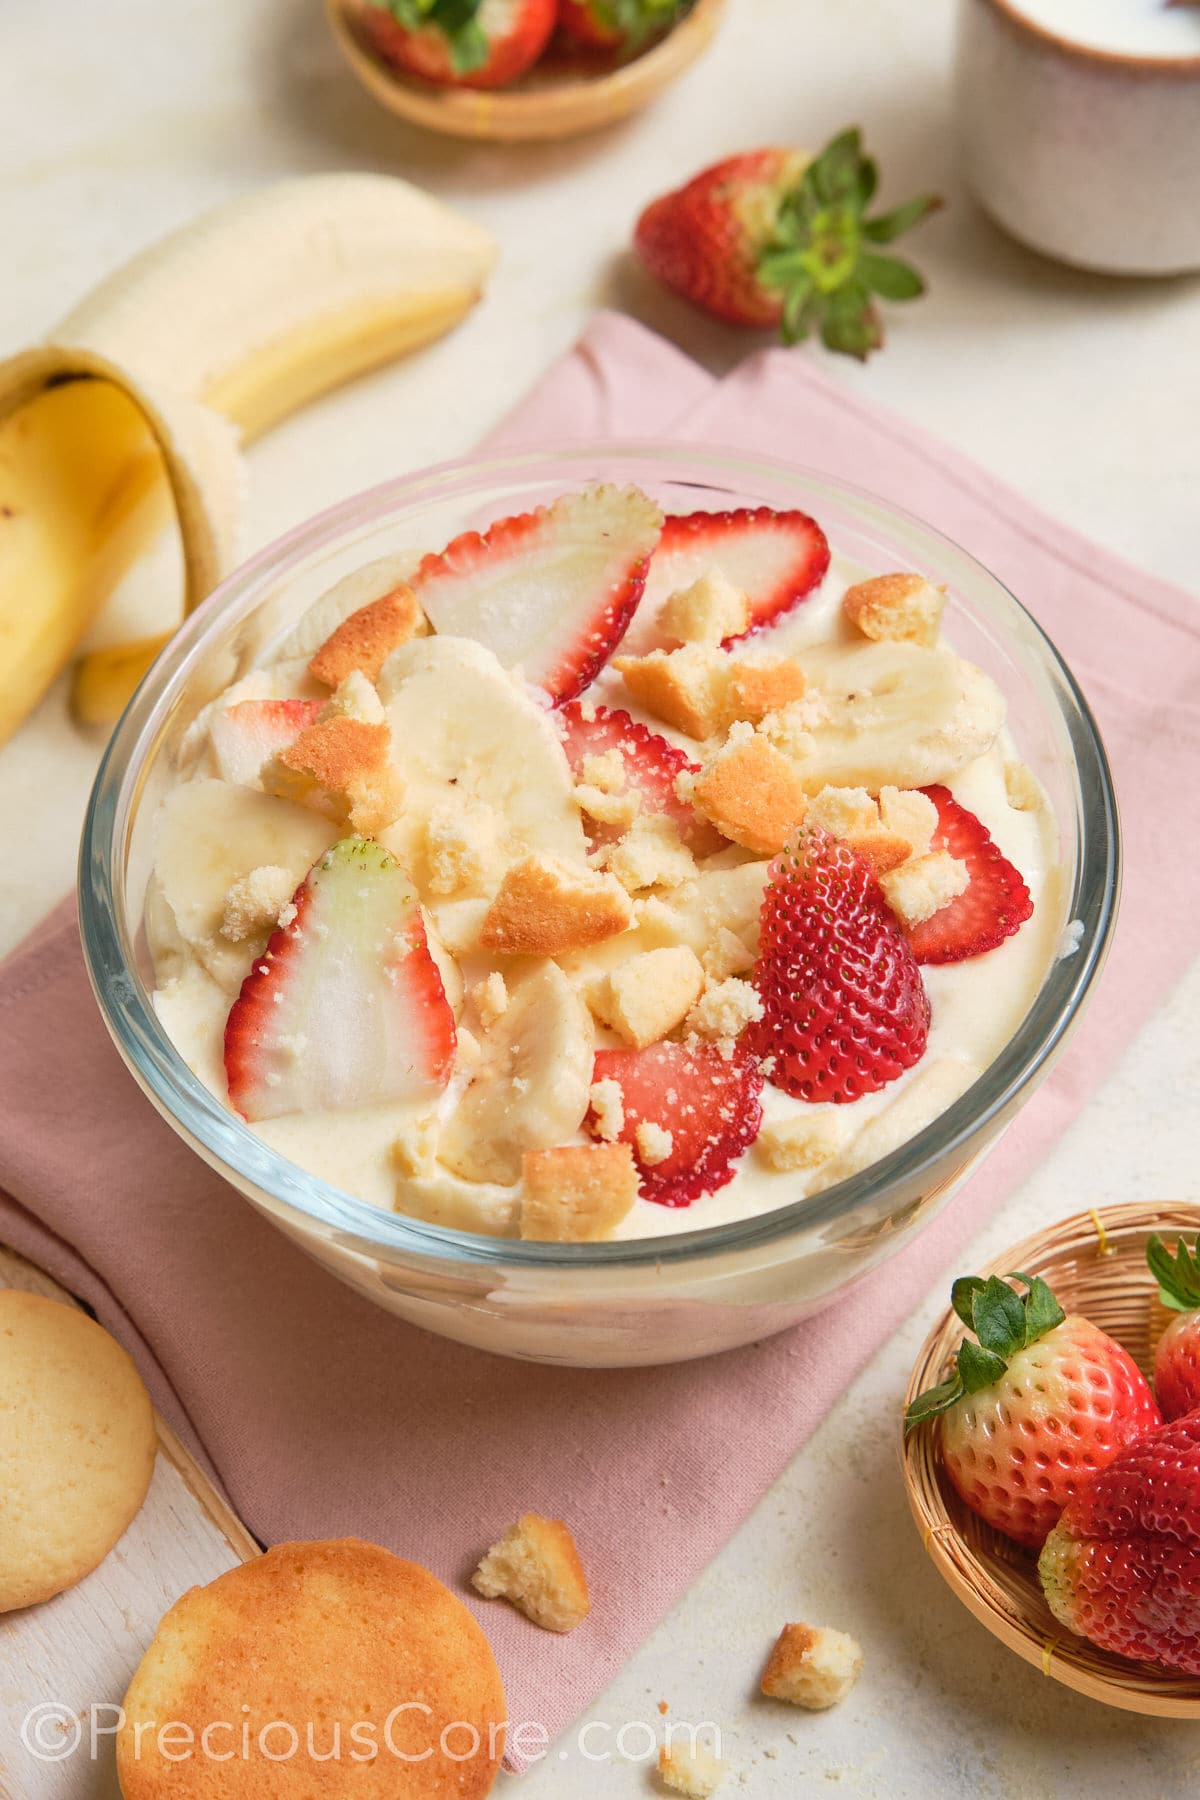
1140,28
230,855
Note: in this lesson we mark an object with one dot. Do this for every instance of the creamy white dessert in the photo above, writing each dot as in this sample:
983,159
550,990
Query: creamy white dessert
1140,28
435,924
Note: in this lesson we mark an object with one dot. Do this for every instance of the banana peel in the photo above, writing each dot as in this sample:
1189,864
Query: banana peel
135,410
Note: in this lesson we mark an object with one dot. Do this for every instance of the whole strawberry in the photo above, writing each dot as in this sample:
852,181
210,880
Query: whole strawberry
844,1008
1033,1409
624,25
1122,1565
1177,1358
461,43
774,238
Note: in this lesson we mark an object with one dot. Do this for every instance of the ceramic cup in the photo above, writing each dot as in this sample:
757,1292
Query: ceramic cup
1080,127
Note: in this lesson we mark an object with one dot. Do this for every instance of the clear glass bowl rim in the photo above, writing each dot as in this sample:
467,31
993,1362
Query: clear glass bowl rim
360,1226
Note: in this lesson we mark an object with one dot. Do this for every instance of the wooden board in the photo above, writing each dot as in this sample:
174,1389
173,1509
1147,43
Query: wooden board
77,1652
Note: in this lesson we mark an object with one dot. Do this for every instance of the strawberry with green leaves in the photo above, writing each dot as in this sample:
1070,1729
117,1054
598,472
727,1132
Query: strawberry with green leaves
625,25
773,239
461,43
1177,1358
1122,1565
1034,1408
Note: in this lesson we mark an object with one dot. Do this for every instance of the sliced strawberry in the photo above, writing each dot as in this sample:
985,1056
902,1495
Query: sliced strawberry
651,768
775,558
844,1008
709,1105
550,592
994,906
245,736
346,1006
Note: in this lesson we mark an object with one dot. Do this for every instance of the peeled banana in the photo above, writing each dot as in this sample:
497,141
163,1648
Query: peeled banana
134,410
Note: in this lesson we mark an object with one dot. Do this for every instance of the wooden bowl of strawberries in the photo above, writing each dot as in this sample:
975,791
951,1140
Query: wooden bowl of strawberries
1052,1453
520,70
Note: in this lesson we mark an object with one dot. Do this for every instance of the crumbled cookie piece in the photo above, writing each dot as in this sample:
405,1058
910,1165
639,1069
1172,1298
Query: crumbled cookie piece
755,689
607,1104
578,1193
707,612
536,1565
812,1667
255,901
905,608
606,771
725,1010
843,812
752,794
650,854
921,886
463,854
801,1143
654,1142
1022,787
683,688
645,997
790,729
606,808
910,814
367,638
340,767
490,998
545,907
415,1149
355,698
726,954
691,1769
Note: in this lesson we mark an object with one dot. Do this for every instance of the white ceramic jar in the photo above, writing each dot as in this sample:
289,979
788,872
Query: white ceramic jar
1080,127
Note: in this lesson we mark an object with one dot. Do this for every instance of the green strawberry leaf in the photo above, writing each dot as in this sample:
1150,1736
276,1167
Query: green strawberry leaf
885,228
1042,1311
888,276
1178,1276
978,1367
456,19
933,1401
962,1298
815,254
999,1319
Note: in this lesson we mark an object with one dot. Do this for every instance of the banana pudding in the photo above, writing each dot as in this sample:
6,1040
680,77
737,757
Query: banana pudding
602,875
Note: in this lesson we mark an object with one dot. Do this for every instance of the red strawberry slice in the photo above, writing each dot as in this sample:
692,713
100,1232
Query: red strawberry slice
550,592
994,905
346,1007
844,1008
245,736
709,1105
775,558
651,767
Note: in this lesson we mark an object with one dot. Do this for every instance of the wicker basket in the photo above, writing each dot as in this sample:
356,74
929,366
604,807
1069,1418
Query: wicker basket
546,103
1096,1264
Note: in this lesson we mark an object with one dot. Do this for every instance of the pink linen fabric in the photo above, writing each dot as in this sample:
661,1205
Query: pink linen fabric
320,1415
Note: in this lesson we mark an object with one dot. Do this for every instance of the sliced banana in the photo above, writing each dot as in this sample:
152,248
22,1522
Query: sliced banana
934,1086
371,582
895,714
210,834
460,725
531,1090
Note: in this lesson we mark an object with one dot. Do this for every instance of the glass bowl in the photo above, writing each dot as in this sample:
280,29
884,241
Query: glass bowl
649,1300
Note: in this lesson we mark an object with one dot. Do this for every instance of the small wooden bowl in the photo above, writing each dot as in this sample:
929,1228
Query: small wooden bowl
549,102
1096,1264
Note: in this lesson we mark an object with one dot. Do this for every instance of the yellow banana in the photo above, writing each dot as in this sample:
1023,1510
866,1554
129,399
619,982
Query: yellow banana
134,410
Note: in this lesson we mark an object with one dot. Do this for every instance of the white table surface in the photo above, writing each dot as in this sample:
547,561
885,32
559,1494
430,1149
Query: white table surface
117,123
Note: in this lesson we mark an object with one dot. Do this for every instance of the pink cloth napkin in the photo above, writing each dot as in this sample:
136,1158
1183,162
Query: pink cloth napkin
321,1415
